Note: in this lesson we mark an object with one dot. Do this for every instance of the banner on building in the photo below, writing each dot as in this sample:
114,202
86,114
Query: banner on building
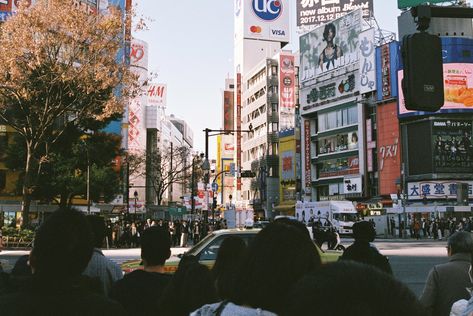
330,46
316,12
139,54
352,185
228,115
287,166
157,94
389,148
436,189
238,133
332,90
367,61
307,158
386,71
287,103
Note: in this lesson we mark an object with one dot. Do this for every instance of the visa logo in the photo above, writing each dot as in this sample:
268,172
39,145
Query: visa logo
278,32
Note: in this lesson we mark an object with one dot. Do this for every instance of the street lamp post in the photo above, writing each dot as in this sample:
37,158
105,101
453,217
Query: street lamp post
135,194
206,163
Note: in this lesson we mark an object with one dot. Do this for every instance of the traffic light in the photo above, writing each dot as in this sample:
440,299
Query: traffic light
422,84
214,203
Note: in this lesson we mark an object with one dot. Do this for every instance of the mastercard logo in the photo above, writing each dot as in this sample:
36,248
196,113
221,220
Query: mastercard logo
255,29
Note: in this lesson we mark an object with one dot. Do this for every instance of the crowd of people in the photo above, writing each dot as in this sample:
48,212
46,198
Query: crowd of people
125,234
278,273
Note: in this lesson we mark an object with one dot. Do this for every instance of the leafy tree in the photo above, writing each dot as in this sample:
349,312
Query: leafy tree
163,169
58,68
64,175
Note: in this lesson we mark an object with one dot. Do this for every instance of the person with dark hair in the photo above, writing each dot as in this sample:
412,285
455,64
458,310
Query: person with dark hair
362,251
448,282
331,52
62,248
191,287
278,257
225,270
100,267
464,307
140,290
341,288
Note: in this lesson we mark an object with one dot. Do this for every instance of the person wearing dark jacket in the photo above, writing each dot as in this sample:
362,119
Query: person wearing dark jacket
140,290
362,251
448,282
62,249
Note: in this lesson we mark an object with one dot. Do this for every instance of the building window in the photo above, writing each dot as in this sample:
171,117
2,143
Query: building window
338,143
338,118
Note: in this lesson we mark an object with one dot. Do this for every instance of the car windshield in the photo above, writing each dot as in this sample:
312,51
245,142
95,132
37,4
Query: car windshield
345,217
193,251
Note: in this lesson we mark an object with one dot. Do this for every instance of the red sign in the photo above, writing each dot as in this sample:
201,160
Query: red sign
5,5
389,148
308,177
228,116
238,127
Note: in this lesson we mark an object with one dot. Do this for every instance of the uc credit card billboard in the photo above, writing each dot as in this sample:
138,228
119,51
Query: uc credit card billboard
457,78
263,19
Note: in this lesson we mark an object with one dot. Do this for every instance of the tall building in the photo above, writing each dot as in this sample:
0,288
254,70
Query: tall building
226,146
261,30
333,99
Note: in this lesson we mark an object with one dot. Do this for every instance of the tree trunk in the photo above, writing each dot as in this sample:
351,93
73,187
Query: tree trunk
27,187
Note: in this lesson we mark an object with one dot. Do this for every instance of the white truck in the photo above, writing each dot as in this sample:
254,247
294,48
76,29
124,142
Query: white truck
341,214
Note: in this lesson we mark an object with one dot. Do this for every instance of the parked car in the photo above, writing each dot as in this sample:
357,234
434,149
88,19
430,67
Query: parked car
207,249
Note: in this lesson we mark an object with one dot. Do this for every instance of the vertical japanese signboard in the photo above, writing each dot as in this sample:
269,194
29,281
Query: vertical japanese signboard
367,61
308,177
238,133
228,115
287,78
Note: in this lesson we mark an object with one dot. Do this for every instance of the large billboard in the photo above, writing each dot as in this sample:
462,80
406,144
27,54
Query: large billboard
263,19
458,78
389,148
157,94
330,46
458,89
452,145
287,91
316,12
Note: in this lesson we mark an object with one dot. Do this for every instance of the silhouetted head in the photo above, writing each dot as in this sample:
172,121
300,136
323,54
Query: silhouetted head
155,246
460,242
364,231
279,255
341,288
97,224
62,245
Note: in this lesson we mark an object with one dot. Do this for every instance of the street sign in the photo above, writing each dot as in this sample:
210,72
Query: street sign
214,186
